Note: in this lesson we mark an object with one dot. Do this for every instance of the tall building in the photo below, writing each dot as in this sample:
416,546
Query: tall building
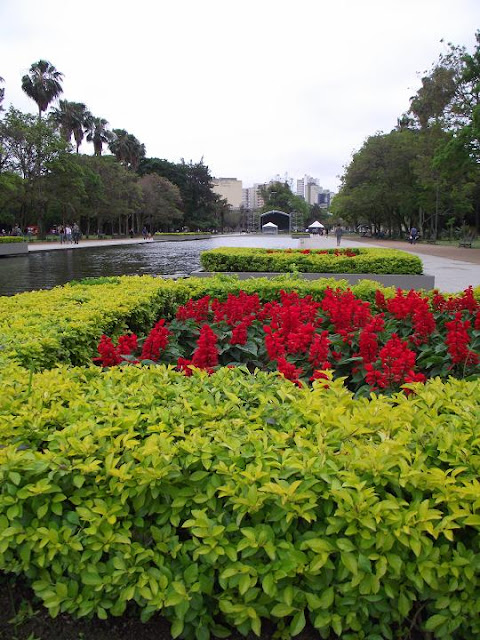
311,191
251,198
230,189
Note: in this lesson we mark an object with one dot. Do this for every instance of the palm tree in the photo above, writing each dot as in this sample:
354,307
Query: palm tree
127,148
98,134
42,84
73,118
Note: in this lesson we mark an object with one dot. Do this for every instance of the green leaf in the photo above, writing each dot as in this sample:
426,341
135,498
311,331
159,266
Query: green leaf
350,562
435,621
326,599
281,610
298,623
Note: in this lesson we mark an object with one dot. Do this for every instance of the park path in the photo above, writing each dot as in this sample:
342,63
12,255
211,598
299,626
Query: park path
454,268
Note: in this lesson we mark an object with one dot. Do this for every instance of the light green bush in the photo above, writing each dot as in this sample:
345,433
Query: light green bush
227,500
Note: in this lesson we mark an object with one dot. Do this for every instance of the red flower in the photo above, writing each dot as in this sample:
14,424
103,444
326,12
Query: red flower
197,310
458,341
206,353
396,362
109,355
127,344
289,371
155,342
319,351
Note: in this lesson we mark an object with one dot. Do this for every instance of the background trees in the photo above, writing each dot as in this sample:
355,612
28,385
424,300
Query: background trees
43,184
425,172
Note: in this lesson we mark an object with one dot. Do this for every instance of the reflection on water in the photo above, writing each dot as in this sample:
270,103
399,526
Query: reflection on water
47,269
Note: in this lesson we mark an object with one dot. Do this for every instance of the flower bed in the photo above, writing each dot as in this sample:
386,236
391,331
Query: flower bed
380,347
364,261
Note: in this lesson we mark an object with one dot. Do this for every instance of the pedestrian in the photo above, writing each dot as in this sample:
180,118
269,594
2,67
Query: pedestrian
68,234
145,233
413,235
61,233
76,233
338,234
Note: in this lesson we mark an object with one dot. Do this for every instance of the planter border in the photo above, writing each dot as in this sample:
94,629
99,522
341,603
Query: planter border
13,249
404,281
181,237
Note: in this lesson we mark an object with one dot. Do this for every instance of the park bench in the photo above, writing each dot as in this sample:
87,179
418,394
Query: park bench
466,242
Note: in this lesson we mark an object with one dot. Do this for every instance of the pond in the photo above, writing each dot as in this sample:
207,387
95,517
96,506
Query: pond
47,269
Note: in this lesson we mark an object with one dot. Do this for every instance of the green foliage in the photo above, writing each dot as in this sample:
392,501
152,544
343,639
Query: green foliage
10,239
228,259
227,500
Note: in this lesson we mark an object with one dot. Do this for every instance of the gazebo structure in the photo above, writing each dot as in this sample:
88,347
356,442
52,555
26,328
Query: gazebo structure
315,227
270,228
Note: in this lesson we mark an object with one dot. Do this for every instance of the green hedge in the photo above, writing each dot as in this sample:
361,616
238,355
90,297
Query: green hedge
10,239
387,261
41,328
227,500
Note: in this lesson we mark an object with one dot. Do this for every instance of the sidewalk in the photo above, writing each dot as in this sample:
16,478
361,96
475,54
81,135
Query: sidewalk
454,268
84,244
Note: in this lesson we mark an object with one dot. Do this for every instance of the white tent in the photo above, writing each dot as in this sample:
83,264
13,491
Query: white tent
270,227
316,225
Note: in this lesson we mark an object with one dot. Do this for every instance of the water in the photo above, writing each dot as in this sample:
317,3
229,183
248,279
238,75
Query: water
47,269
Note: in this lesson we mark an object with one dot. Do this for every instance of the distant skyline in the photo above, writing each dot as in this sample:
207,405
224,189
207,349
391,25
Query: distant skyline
254,88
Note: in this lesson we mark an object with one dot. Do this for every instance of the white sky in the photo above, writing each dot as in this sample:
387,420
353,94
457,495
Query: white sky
255,87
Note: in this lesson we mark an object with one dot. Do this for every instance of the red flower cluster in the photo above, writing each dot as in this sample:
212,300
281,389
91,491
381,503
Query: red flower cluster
156,342
458,341
394,365
379,347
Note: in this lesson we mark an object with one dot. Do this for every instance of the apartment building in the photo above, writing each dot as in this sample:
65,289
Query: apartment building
230,189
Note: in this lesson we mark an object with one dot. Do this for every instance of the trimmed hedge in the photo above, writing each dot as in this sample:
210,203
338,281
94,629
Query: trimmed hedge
385,261
10,239
227,500
42,328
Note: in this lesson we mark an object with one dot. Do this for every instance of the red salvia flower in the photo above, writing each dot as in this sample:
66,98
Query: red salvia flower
289,371
109,355
205,355
155,342
458,341
127,344
197,310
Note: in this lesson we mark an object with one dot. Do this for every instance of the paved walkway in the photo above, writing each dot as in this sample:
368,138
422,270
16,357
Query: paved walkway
84,244
454,268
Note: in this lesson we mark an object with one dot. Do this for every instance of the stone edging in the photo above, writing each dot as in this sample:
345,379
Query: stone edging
404,281
13,248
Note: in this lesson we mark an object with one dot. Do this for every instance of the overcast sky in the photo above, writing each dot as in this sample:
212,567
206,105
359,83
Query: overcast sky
254,87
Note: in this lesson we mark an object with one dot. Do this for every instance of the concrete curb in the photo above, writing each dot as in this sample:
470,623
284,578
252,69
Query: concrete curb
402,281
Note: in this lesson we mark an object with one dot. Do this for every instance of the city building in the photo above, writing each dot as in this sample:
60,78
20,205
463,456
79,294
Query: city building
251,198
312,192
230,189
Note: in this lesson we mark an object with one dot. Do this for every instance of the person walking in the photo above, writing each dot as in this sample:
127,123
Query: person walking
68,234
413,236
76,233
338,234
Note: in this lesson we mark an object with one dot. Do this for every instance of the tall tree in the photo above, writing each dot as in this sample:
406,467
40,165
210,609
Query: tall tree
98,134
43,84
126,148
73,118
161,203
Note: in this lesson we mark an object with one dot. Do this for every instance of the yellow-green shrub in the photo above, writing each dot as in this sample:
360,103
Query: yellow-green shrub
387,261
231,499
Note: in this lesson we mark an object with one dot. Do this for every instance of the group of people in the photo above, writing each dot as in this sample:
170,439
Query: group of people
69,234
